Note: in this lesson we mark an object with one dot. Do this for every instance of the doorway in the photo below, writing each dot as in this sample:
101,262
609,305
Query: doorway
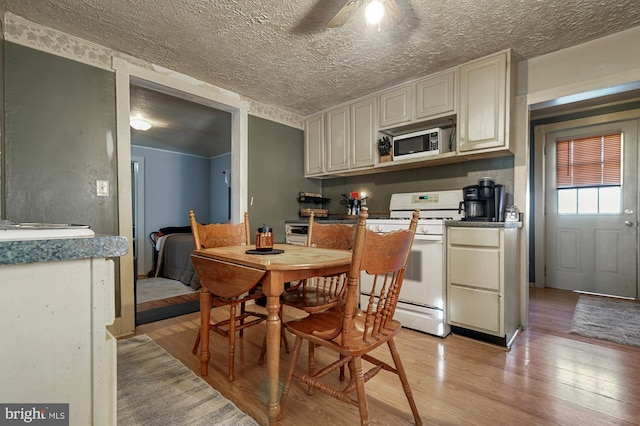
590,204
175,84
178,165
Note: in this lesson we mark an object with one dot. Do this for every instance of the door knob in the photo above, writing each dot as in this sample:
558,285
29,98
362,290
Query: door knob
629,223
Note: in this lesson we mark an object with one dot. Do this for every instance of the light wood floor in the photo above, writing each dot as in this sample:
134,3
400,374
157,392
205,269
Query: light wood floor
161,303
549,377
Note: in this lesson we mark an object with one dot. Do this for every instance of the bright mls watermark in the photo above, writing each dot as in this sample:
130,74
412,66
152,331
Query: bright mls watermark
36,414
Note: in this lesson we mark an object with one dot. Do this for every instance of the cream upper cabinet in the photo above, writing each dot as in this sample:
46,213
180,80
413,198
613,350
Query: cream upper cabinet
420,100
396,106
342,141
337,139
435,95
363,133
484,107
314,145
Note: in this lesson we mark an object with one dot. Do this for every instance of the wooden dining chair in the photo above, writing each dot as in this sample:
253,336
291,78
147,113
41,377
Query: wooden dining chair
354,332
318,294
218,291
321,293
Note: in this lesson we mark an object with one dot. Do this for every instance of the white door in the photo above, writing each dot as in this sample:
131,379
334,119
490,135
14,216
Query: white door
591,226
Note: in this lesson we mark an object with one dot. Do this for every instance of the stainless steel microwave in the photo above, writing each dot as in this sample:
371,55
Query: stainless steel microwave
421,144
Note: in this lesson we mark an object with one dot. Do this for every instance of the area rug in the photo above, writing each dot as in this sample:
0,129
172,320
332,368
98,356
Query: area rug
157,288
608,319
156,389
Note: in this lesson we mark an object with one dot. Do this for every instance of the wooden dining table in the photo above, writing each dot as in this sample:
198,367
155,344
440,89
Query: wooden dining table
273,271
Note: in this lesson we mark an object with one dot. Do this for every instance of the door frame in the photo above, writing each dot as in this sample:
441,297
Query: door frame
140,234
540,132
185,87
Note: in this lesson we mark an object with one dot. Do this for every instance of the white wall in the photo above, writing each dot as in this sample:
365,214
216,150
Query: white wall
604,62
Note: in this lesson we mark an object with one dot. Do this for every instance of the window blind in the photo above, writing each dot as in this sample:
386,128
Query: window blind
592,161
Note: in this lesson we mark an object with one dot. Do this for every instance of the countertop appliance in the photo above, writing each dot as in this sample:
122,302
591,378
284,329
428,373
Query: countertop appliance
422,301
421,144
483,202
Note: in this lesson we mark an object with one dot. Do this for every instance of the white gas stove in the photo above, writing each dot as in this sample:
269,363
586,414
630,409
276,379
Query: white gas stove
422,301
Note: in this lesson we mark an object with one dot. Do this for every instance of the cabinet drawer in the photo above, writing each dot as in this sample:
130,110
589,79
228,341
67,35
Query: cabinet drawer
474,309
475,267
482,237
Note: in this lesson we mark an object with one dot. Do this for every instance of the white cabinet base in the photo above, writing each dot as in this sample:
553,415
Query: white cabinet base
54,345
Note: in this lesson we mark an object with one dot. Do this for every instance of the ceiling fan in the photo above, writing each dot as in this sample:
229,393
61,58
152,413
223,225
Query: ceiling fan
383,13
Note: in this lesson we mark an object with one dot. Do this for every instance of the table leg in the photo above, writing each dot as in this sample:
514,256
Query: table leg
273,288
205,316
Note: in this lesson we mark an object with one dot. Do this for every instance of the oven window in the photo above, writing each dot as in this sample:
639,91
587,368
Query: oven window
414,268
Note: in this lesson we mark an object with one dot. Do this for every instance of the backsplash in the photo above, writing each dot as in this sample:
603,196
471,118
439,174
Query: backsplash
380,186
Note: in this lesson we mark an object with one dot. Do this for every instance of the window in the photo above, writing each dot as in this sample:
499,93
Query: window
589,174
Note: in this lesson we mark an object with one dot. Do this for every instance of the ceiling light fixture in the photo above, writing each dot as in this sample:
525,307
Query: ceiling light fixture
374,12
139,123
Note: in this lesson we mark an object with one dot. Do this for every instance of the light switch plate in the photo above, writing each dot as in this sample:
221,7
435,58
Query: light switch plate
102,188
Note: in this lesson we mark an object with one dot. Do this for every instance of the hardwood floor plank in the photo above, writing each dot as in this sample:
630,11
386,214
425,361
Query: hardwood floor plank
549,376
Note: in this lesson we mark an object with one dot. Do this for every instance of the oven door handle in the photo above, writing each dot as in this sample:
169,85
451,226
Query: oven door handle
418,238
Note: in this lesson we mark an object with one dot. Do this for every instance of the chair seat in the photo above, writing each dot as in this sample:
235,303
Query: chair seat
309,300
328,323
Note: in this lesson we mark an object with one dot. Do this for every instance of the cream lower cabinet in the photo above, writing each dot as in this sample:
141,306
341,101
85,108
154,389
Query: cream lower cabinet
482,282
55,347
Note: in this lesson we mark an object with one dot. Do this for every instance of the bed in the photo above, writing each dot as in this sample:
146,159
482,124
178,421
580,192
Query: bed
172,255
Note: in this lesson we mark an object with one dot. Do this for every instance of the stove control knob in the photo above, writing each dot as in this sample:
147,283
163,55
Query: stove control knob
423,230
379,228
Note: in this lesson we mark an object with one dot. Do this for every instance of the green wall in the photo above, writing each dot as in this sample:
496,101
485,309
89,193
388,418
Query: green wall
59,139
380,186
276,175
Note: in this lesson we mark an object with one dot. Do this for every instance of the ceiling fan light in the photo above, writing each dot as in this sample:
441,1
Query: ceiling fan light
374,12
140,123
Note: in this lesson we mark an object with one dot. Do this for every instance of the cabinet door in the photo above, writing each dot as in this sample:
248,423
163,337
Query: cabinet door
337,139
435,95
363,134
483,103
313,145
475,309
396,106
475,267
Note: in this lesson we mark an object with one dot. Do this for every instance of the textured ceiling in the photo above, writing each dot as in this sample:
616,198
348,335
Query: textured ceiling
179,125
282,54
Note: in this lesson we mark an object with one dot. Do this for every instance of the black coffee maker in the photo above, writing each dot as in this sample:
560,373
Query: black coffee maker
483,202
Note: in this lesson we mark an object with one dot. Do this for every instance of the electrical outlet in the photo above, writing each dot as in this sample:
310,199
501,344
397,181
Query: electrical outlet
102,188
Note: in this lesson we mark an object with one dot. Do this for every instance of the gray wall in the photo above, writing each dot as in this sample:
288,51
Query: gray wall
59,139
379,187
219,203
276,174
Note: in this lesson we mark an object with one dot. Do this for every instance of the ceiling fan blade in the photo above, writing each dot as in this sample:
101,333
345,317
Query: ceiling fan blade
393,15
344,14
